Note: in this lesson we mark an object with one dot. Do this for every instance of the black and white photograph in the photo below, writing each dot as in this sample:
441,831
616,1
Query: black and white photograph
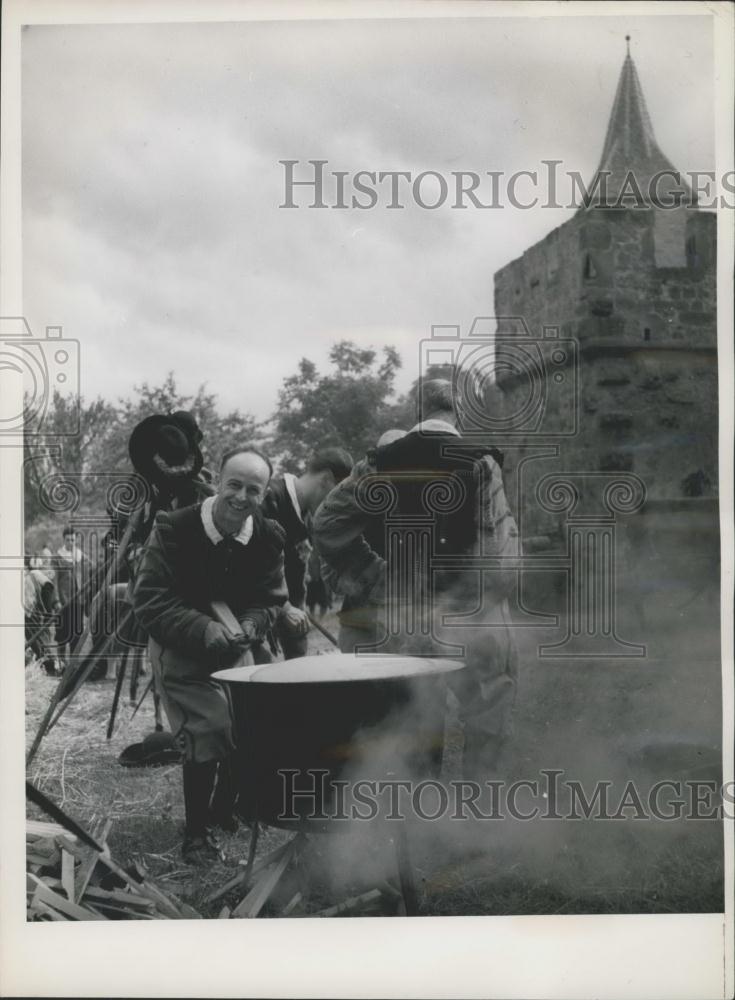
367,497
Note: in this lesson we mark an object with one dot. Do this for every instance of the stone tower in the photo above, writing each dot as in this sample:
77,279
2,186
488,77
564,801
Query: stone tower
634,286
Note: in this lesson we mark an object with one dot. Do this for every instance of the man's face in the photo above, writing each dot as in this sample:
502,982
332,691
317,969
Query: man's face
69,539
243,482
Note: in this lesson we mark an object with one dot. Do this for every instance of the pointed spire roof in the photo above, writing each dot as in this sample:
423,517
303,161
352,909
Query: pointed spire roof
631,157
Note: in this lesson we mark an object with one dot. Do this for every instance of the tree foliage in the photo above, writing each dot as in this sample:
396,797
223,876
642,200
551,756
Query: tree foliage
91,449
348,406
345,407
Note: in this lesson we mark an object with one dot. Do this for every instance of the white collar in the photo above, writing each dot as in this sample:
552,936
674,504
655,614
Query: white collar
436,425
243,536
290,481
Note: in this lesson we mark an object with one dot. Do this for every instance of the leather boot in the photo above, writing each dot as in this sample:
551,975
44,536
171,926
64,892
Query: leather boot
225,793
199,780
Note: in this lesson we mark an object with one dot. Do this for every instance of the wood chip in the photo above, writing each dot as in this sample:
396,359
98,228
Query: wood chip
43,894
67,874
256,899
39,828
239,879
354,903
291,905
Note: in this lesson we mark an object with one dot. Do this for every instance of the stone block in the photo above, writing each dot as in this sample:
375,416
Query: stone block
595,236
616,461
601,307
695,318
611,326
615,421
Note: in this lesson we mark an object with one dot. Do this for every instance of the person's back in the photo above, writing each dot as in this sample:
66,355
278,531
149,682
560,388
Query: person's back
433,494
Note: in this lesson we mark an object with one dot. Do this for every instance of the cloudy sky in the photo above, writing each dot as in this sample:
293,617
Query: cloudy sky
151,184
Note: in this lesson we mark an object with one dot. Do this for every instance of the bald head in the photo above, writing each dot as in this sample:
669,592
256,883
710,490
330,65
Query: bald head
244,478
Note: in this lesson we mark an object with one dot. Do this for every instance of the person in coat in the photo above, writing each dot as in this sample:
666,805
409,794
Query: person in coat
222,549
351,542
292,501
72,573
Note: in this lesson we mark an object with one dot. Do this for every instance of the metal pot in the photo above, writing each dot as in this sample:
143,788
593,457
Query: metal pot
306,723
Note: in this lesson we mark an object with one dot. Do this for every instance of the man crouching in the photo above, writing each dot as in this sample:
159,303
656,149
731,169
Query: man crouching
222,549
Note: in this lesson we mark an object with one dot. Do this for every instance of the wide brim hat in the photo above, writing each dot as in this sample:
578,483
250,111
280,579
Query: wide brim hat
164,448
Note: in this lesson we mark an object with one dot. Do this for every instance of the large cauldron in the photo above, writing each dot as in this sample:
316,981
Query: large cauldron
348,717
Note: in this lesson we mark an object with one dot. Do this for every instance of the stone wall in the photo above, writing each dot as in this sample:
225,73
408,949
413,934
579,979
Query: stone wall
646,384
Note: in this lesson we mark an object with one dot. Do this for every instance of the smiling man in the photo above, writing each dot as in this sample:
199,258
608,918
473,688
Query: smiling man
223,549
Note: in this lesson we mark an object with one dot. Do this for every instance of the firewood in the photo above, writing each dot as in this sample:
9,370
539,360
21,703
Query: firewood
291,905
40,828
237,880
43,894
43,860
48,913
256,899
354,903
67,874
128,899
116,911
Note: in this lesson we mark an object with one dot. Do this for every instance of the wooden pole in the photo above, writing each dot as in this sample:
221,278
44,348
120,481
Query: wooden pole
320,628
116,697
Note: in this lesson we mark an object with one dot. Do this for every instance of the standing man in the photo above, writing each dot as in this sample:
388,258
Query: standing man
222,549
434,457
292,501
352,540
72,573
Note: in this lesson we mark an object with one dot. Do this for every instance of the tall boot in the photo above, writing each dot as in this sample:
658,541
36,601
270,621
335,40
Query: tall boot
225,794
198,787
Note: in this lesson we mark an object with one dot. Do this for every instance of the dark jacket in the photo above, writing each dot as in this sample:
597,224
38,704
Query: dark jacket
182,572
278,506
349,526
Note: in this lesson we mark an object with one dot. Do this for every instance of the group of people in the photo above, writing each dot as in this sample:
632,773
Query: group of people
255,542
247,546
56,586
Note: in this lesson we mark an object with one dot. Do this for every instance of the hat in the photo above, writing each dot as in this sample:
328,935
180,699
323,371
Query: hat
156,750
164,449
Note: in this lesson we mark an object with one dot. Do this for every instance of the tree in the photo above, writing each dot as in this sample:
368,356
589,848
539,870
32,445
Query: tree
221,432
94,452
73,440
347,407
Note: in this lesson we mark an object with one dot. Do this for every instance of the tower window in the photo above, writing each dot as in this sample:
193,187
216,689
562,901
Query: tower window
647,333
590,271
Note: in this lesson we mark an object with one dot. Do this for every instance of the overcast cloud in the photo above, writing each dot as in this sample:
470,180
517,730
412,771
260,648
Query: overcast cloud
151,182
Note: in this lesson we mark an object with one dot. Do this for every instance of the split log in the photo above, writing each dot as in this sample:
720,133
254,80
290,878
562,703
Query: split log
353,903
258,896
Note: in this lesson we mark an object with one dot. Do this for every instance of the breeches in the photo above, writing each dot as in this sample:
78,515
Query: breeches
197,707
